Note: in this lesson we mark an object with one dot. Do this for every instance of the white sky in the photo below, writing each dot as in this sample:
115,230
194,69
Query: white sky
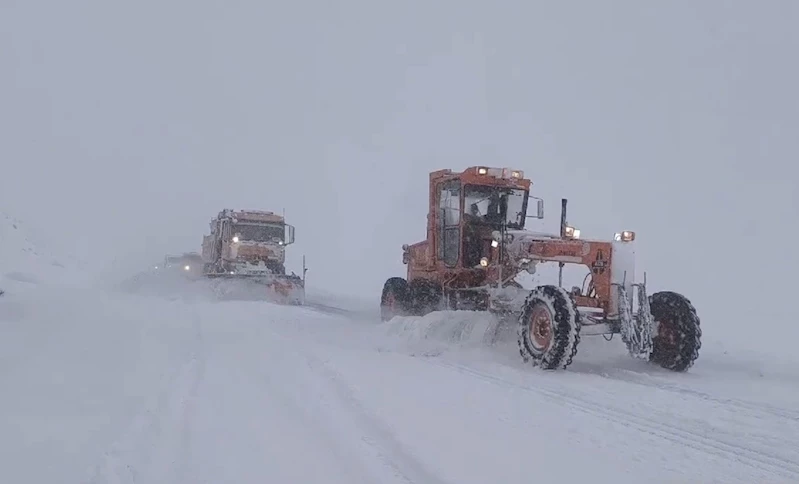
125,126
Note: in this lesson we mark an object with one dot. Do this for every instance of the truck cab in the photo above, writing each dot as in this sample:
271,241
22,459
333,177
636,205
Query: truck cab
189,264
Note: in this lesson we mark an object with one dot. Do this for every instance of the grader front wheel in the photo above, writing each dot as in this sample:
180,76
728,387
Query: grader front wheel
676,344
395,300
549,328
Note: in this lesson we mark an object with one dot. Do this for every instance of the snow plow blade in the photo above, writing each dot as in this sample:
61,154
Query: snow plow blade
277,288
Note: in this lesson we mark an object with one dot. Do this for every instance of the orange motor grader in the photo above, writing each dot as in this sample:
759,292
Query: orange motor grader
477,244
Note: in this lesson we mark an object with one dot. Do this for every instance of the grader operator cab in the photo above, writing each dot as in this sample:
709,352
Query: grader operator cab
477,244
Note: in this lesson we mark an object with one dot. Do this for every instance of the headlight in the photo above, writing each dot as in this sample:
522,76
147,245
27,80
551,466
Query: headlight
497,236
484,262
236,239
626,236
186,268
482,171
572,233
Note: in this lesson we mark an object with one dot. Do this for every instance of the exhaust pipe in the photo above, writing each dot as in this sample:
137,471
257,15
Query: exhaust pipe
563,224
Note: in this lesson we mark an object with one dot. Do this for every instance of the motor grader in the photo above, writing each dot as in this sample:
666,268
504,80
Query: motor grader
477,245
249,246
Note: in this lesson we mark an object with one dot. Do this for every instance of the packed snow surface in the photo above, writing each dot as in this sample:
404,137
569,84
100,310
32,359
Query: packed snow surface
158,381
109,387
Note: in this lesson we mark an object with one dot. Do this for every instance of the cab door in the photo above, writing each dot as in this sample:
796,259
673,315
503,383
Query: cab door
449,222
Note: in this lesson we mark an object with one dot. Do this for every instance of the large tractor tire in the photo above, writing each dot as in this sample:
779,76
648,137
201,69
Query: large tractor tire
549,328
395,300
425,296
676,344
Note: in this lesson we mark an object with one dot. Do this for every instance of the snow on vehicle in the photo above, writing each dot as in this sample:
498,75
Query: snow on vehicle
476,247
250,245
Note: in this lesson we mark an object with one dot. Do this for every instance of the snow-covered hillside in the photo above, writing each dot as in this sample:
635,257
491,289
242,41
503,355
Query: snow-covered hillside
26,260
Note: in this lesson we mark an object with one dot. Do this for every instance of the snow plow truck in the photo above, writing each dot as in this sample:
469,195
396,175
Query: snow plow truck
246,251
477,244
189,264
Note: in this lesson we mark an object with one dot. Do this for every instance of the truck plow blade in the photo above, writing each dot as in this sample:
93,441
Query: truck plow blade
281,289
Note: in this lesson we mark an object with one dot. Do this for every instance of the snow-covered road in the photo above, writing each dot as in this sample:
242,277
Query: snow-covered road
106,387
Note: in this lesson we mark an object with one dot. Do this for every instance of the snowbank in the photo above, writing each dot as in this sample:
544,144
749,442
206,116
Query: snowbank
470,334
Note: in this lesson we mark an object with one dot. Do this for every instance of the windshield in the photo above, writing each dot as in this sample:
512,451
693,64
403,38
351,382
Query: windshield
181,259
259,233
493,205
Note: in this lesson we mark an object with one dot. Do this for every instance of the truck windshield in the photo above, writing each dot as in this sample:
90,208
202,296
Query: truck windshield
182,260
495,205
260,232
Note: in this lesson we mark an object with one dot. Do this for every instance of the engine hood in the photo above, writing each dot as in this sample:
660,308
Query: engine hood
518,242
522,243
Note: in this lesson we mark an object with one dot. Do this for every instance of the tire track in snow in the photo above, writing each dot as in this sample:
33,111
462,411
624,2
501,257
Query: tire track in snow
156,442
757,459
647,380
460,331
381,438
375,433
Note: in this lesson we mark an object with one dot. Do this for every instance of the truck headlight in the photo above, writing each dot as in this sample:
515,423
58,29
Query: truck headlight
484,262
572,233
495,243
186,268
626,236
235,239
